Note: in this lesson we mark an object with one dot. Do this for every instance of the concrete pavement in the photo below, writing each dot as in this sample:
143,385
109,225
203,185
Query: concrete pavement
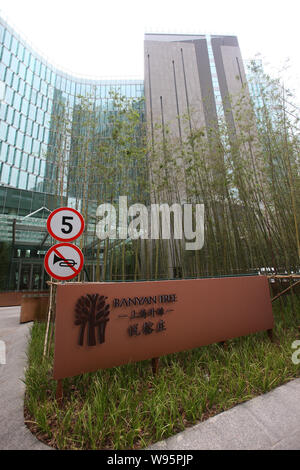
270,421
14,435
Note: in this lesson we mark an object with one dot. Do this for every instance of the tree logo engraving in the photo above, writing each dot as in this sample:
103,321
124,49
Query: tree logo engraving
91,311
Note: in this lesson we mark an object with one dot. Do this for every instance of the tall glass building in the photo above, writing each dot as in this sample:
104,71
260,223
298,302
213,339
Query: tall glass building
34,98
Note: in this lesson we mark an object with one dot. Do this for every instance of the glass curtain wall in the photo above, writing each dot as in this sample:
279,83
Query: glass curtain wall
39,127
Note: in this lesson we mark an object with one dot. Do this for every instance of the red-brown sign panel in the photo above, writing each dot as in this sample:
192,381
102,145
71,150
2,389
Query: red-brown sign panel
101,325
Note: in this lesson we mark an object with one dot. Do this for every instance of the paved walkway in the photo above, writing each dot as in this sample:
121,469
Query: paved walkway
13,432
271,421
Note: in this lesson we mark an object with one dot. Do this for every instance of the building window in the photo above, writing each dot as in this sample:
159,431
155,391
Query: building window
23,180
14,177
7,39
5,174
3,131
20,51
11,138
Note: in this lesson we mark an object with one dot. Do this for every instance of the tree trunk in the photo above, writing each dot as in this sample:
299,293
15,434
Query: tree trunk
91,333
101,331
81,334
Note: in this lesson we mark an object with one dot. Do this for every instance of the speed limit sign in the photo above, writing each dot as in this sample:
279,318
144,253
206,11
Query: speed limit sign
65,224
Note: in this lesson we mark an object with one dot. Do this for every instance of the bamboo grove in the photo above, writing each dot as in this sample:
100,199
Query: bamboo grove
248,181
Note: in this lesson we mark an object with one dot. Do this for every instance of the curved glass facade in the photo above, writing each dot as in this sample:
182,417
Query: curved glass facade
31,92
33,97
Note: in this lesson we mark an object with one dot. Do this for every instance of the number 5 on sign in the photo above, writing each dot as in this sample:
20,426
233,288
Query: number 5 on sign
65,224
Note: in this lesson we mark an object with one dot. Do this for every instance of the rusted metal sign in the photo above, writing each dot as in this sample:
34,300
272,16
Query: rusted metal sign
101,325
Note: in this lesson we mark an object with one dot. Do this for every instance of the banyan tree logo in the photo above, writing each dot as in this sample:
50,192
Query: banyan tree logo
91,313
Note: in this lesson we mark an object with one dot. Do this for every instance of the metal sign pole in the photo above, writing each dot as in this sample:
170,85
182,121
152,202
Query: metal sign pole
65,225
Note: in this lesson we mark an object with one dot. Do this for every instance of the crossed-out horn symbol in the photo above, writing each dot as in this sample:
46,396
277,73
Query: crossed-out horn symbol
63,262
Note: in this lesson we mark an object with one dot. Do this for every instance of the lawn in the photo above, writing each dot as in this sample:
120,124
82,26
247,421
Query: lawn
128,408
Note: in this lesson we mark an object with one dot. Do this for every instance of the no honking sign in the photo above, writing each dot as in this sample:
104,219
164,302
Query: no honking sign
64,261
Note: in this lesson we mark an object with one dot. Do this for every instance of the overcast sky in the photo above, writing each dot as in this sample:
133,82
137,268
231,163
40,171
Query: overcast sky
104,38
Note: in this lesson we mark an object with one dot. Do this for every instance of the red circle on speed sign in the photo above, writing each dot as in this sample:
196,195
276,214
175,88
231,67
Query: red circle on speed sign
63,261
65,224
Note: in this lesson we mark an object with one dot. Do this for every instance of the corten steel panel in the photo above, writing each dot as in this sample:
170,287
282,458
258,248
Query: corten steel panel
9,299
206,311
12,298
34,307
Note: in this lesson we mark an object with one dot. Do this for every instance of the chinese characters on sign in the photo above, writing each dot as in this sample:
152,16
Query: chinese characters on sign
147,327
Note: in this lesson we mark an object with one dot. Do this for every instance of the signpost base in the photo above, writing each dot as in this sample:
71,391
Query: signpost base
59,391
154,363
271,335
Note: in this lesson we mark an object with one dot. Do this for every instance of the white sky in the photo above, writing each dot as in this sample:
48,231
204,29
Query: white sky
104,38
